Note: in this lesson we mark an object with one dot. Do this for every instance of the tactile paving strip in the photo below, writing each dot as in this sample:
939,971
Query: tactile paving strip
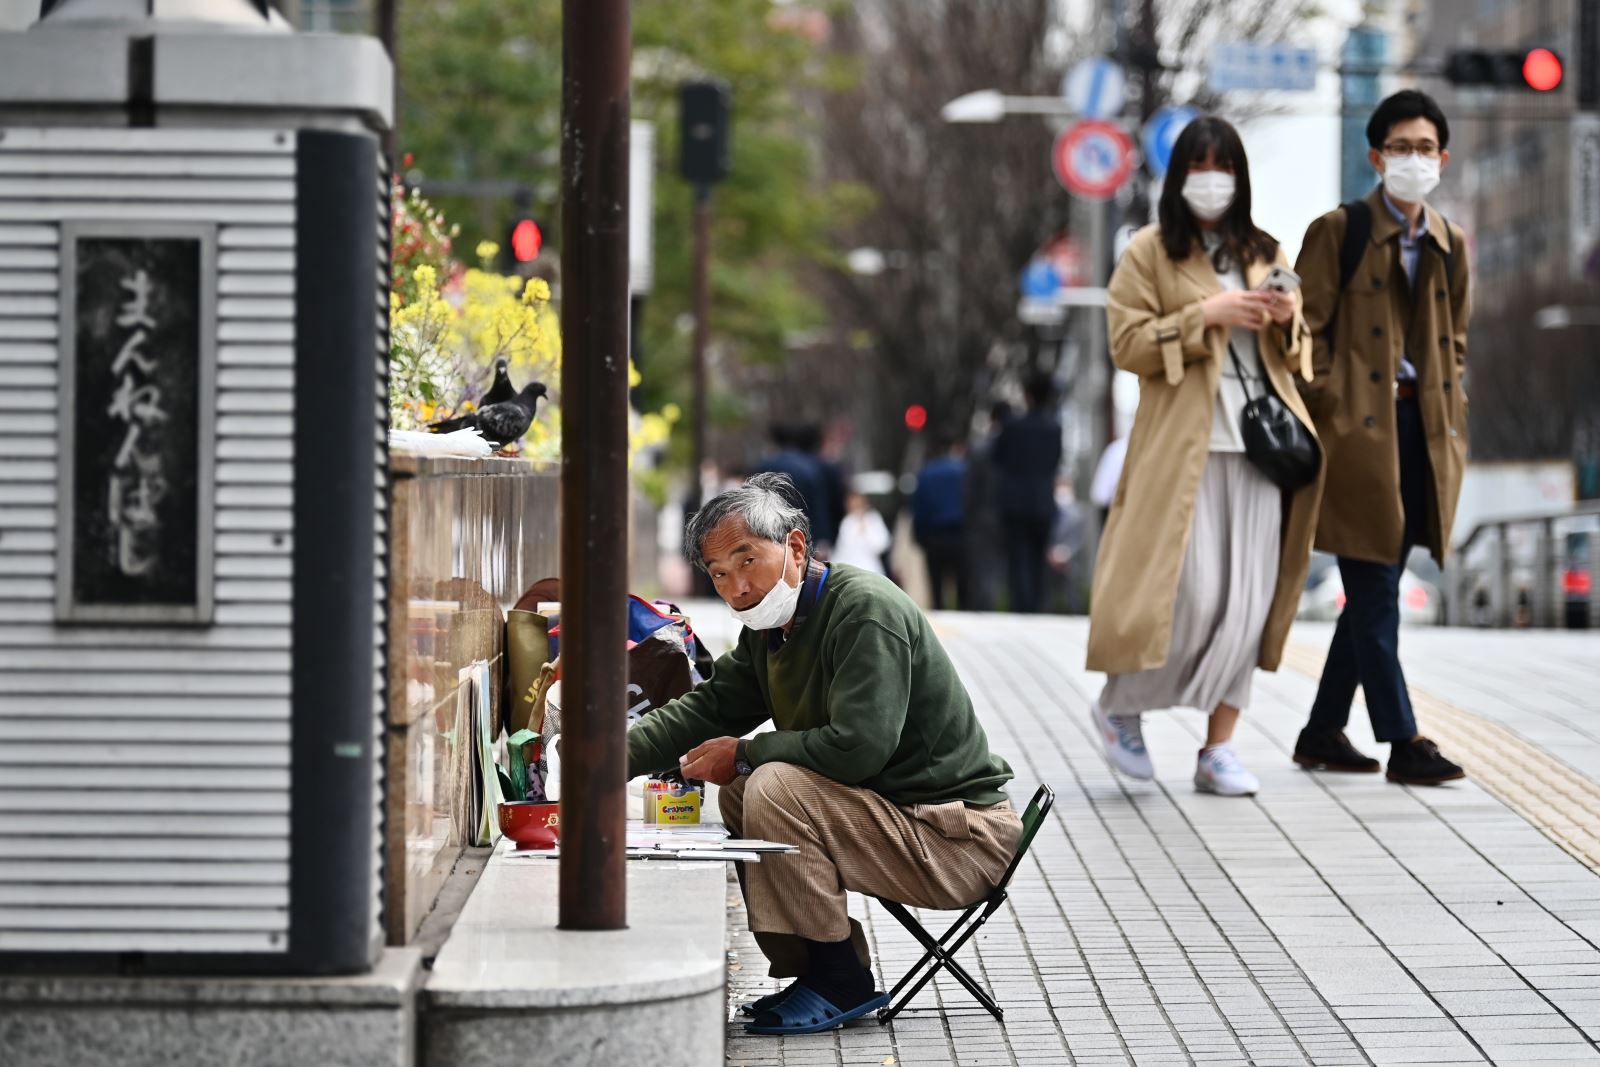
1562,803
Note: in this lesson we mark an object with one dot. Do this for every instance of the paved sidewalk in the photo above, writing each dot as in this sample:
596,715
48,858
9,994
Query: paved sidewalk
1331,920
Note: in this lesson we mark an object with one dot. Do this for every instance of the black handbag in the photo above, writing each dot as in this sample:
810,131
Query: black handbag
1274,440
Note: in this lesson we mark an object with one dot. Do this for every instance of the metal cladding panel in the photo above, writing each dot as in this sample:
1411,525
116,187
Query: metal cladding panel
147,770
341,508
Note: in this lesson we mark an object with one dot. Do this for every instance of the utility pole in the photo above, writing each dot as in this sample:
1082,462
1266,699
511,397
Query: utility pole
1148,69
702,336
703,118
596,58
388,32
1361,64
1135,47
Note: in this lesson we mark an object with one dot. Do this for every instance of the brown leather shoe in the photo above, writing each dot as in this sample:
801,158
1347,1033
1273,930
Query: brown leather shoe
1332,752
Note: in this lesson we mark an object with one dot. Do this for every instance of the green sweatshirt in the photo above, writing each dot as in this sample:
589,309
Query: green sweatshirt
861,692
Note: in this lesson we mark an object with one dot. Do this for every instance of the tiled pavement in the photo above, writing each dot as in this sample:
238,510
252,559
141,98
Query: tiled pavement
1331,920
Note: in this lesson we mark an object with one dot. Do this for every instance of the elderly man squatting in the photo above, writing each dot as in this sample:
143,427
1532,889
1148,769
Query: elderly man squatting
878,768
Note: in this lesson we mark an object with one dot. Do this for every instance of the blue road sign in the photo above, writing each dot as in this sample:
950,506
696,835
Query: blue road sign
1161,132
1095,88
1251,65
1040,279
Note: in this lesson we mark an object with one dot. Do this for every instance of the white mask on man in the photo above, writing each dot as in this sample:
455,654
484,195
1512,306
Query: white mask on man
1410,178
1208,193
777,607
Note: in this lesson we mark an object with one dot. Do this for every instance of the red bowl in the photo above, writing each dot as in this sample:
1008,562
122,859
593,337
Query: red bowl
531,824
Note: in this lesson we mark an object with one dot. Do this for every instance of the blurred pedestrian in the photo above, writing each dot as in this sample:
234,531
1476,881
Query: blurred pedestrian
1107,473
1067,585
835,483
1026,457
1386,299
863,536
805,470
981,565
938,507
1201,565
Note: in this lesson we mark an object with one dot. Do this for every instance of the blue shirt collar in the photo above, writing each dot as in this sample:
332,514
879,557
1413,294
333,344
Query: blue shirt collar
810,597
1400,217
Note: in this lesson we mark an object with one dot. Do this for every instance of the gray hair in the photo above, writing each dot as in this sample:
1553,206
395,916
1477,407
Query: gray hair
769,504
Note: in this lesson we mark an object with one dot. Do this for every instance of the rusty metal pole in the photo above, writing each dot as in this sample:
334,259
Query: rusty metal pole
596,48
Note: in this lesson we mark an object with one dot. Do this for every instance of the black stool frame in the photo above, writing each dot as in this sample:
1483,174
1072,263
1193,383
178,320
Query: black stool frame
940,954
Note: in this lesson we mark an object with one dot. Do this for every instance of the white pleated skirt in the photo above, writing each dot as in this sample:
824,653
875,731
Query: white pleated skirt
1230,571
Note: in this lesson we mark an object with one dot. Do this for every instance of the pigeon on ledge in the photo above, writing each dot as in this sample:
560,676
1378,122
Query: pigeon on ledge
502,423
501,389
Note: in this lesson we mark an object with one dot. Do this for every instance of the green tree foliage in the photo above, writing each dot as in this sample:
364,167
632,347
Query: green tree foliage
481,90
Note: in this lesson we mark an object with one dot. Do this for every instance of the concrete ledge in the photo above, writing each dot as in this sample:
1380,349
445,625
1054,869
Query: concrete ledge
166,1021
508,985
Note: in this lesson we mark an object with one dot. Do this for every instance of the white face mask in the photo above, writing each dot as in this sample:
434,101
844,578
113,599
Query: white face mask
1410,178
1208,194
777,607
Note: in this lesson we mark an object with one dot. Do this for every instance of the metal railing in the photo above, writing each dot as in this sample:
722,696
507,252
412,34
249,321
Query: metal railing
1531,570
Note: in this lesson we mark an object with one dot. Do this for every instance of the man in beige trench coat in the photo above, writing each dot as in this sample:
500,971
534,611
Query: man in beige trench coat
1385,283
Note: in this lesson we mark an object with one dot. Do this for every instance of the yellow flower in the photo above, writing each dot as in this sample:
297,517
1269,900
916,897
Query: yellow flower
488,250
671,412
536,291
426,277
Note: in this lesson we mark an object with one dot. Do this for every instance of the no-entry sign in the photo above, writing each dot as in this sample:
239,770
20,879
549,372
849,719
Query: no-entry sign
1092,159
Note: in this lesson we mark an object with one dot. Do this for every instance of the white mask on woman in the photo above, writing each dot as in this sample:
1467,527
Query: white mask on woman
1410,178
777,607
1208,193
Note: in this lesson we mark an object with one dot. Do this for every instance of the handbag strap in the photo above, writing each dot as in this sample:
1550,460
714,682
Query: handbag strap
1238,368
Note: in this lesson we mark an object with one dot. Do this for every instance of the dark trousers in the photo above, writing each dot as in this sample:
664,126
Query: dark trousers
1027,544
943,550
1366,641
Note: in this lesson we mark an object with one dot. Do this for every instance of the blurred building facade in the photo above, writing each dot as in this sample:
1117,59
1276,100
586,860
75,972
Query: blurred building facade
1524,182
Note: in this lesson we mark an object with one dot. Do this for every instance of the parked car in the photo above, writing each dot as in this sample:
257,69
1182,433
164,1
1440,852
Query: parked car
1420,603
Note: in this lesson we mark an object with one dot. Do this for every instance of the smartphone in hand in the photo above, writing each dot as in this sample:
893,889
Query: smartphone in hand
1281,279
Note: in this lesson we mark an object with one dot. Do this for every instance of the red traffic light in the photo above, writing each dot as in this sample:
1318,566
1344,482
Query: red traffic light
1541,69
1536,69
526,240
916,418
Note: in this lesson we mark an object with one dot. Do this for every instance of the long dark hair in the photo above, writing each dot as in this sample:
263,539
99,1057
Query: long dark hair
1180,232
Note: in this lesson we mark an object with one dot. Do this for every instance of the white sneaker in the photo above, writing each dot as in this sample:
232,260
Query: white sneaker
1219,771
1124,743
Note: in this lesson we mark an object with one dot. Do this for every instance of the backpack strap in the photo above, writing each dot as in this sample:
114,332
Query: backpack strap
1357,232
1450,256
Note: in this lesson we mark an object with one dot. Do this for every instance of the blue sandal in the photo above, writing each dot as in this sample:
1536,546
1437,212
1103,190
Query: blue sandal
805,1011
761,1004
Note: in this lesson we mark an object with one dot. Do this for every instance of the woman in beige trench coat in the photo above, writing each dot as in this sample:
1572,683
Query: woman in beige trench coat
1203,558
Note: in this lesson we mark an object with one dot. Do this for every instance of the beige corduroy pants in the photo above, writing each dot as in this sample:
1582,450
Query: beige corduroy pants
941,856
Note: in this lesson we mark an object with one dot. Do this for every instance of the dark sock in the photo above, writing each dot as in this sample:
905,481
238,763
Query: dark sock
837,974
